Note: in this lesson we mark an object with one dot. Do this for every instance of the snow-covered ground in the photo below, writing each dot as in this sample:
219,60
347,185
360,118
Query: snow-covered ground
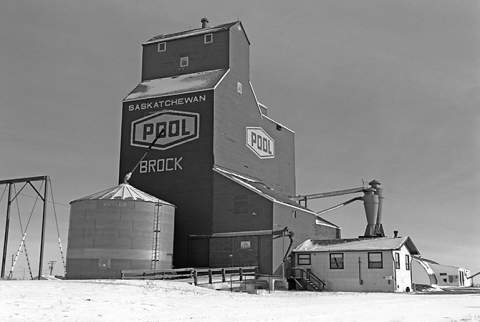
175,301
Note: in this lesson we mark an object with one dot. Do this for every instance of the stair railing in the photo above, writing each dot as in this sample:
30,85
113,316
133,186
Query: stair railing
307,276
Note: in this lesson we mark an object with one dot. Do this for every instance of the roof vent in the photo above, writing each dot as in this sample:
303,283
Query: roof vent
204,22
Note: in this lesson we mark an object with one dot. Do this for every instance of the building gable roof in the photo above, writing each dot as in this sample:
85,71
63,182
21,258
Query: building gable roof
187,83
195,32
357,244
262,189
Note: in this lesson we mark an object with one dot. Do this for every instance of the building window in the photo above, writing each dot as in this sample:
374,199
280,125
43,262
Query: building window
184,62
208,38
407,262
336,261
397,260
304,259
162,46
239,87
375,260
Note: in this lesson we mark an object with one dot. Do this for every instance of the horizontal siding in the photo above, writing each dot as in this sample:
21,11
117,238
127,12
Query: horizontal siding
348,278
237,208
235,112
201,56
189,188
207,202
302,224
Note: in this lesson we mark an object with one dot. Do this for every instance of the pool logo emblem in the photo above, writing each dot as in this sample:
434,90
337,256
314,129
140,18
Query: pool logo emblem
260,143
172,128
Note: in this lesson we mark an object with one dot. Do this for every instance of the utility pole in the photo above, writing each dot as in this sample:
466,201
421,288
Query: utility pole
51,264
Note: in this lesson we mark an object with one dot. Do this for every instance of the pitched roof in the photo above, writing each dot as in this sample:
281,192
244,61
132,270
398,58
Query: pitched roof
357,244
192,32
123,191
262,189
427,260
193,82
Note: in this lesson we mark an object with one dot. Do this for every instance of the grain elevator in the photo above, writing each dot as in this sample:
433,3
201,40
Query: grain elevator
217,155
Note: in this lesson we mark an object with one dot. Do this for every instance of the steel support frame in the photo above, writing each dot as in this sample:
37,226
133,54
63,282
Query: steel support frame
27,180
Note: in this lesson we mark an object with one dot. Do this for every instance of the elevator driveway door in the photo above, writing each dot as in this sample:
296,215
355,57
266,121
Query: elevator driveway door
234,251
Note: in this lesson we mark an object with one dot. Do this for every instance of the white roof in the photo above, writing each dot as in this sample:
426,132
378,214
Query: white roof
357,244
193,82
123,191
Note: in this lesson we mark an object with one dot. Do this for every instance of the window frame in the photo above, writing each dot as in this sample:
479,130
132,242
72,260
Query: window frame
397,260
183,62
407,262
307,259
205,41
375,264
294,214
162,44
342,266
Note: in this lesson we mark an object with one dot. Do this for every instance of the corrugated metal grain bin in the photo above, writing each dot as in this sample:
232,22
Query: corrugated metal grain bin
118,229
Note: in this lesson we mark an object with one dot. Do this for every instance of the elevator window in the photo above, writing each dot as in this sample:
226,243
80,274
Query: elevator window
184,62
162,46
208,38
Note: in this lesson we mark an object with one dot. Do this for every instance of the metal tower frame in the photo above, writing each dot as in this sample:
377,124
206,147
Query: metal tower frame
27,180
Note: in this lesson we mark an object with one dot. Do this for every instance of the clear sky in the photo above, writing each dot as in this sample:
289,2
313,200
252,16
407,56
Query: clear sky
374,89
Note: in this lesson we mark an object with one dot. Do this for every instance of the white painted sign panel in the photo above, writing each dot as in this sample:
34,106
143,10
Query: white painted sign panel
260,143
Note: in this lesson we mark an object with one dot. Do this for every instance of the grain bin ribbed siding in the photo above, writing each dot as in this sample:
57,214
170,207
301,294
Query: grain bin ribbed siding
115,230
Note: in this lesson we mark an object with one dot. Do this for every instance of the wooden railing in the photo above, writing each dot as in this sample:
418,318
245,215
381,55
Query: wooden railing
170,274
220,274
307,278
193,275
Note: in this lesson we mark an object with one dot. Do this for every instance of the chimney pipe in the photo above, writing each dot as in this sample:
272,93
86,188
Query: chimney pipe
204,22
395,234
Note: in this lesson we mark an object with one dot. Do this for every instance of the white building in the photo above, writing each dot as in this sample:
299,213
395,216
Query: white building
440,275
355,265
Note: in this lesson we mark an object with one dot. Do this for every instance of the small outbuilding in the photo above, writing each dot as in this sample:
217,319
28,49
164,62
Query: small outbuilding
439,274
355,265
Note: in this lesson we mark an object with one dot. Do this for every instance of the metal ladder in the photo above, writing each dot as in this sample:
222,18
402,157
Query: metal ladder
156,232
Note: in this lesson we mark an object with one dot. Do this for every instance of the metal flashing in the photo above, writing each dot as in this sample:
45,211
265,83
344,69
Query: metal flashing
357,244
263,115
221,79
123,191
190,33
256,100
183,84
266,192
